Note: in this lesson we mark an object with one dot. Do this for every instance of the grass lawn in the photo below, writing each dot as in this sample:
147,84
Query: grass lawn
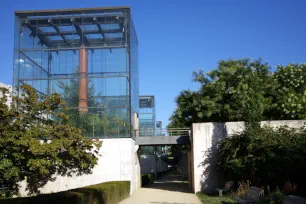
214,199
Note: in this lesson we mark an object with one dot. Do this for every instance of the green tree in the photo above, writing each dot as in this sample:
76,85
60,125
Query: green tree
291,91
36,148
187,111
236,90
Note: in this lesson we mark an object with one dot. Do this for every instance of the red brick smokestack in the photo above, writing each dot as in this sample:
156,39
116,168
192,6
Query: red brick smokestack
83,80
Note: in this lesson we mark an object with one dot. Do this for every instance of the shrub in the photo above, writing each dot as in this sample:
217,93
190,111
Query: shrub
266,156
243,188
103,193
277,197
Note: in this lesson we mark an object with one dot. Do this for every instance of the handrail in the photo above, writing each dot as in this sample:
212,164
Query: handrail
162,132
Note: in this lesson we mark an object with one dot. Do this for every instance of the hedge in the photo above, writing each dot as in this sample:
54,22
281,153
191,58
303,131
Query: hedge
103,193
147,179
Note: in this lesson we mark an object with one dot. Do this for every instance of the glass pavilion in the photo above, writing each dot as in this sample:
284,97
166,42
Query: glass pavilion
146,115
90,57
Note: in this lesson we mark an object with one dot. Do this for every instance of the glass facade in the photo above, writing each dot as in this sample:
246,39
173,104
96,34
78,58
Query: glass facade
90,57
146,115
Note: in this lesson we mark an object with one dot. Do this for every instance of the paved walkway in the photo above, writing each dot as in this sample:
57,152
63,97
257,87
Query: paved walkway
169,189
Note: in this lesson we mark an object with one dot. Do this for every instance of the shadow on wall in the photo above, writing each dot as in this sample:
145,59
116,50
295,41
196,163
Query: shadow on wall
211,177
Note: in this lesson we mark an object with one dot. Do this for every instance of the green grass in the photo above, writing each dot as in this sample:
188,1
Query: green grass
207,199
214,199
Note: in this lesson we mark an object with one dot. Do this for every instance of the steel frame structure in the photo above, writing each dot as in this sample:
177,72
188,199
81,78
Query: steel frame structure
147,115
89,56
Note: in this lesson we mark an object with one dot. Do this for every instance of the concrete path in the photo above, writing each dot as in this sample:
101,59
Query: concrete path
169,189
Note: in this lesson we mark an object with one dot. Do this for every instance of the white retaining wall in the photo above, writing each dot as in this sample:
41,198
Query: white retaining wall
204,138
118,162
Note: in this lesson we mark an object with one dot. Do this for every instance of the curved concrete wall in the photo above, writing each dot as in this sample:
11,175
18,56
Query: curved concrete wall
118,162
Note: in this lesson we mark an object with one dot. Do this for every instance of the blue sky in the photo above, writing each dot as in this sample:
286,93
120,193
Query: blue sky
178,37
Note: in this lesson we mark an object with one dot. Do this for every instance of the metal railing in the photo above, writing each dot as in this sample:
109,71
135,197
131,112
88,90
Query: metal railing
162,132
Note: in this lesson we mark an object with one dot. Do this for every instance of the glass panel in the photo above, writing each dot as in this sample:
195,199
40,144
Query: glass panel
73,37
16,69
147,115
94,36
33,65
47,29
55,37
107,61
65,63
17,33
113,35
110,26
101,122
89,27
133,70
67,28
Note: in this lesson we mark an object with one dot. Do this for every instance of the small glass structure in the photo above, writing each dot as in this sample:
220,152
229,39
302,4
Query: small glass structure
90,57
146,116
159,128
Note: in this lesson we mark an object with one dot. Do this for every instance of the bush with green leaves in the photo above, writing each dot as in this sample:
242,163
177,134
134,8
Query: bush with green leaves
265,156
103,193
277,197
36,148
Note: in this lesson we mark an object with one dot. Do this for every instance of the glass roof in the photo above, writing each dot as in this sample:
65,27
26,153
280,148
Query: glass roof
113,35
72,37
47,29
56,37
110,26
89,27
94,36
67,28
75,15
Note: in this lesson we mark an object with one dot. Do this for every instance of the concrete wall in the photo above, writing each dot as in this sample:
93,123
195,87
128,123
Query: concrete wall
118,162
204,139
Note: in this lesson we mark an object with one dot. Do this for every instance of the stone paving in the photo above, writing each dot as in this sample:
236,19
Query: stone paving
169,189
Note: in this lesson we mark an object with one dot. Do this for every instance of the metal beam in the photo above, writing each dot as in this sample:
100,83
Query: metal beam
58,31
75,76
100,29
162,140
38,33
85,32
65,21
83,38
77,15
113,45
